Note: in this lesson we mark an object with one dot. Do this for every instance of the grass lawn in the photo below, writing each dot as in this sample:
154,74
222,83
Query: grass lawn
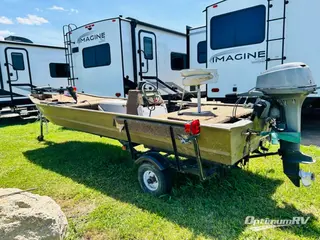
96,185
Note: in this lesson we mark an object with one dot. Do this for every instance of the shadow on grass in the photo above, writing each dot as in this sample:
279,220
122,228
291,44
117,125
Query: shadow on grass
213,209
15,121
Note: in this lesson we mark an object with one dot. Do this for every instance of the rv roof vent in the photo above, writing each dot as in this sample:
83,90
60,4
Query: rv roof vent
18,39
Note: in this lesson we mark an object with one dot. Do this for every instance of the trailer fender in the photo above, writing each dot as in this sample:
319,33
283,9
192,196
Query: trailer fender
156,159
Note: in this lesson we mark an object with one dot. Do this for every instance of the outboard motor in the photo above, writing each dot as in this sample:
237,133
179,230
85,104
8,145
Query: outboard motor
285,87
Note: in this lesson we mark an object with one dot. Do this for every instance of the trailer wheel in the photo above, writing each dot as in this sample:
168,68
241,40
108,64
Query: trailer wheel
154,181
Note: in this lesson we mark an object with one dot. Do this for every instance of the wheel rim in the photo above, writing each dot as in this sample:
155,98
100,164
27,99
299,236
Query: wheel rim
150,180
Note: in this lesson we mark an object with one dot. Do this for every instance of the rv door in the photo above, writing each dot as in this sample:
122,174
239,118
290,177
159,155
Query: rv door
18,70
147,56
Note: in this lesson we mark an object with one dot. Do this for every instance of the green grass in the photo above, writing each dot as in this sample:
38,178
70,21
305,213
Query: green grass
96,185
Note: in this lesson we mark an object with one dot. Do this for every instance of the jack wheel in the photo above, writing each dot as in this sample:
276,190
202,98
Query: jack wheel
154,181
40,138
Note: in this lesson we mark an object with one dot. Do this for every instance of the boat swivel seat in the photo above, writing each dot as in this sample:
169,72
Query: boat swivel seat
198,77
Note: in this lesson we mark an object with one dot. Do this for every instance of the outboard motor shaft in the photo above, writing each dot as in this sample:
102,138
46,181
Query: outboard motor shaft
289,85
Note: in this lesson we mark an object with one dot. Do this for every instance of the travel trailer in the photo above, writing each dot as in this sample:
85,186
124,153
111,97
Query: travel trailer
25,65
244,38
197,51
111,56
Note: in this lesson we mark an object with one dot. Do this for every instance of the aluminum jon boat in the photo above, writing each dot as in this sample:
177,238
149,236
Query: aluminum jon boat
201,143
220,137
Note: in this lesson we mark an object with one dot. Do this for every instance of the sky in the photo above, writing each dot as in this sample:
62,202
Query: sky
41,21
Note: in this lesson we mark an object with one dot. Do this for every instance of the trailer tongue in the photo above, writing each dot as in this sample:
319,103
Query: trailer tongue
202,144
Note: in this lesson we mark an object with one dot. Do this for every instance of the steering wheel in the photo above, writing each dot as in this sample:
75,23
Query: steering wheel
149,90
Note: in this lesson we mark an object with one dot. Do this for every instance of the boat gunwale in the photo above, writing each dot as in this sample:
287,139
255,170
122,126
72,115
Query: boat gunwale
224,126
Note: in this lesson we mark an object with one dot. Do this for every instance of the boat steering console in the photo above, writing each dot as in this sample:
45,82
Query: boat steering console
150,94
152,100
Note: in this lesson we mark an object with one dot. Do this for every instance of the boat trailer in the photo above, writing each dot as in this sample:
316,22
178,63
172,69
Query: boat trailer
276,117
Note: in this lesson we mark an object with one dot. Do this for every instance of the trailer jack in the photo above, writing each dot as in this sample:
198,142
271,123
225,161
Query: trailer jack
43,120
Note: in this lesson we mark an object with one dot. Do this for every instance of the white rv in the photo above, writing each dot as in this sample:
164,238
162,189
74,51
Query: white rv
244,38
24,65
111,56
197,51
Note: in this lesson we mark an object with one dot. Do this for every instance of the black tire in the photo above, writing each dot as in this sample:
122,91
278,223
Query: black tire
162,179
40,138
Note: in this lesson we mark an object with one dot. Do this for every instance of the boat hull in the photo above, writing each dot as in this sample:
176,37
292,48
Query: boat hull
222,143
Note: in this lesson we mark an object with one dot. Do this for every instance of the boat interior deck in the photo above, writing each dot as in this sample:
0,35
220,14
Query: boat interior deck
216,112
84,100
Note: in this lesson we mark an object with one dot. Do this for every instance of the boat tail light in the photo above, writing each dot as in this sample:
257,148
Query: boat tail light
118,94
192,127
215,90
74,89
195,127
215,6
187,127
113,20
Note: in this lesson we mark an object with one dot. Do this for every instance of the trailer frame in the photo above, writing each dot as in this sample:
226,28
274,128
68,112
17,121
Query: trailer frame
164,160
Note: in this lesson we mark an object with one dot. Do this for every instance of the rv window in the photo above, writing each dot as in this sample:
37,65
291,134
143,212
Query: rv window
178,61
17,61
59,70
202,52
96,56
238,28
148,48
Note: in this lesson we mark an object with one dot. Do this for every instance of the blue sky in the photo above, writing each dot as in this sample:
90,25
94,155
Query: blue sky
41,20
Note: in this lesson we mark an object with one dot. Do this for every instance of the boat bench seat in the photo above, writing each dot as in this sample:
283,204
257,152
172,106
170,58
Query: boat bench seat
113,105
